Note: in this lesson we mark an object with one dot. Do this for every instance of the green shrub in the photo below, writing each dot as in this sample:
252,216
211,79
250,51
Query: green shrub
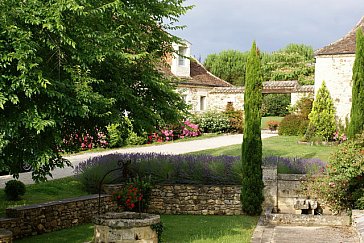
322,116
236,119
213,122
303,106
341,187
134,139
275,104
14,189
293,125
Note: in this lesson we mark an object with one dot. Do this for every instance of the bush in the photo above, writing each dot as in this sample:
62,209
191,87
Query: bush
322,116
161,168
296,165
273,125
91,171
118,133
293,125
213,122
236,119
341,187
134,196
303,107
14,189
275,104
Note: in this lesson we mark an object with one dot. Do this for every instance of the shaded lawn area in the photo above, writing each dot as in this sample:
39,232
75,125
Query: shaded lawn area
177,228
43,192
284,146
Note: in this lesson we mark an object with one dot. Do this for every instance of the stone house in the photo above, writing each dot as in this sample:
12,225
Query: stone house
204,91
334,64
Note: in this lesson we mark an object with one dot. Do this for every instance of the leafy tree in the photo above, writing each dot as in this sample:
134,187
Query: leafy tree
228,65
252,184
69,68
294,62
322,117
356,124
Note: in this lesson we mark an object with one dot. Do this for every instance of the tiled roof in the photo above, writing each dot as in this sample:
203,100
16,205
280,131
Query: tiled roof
201,77
345,45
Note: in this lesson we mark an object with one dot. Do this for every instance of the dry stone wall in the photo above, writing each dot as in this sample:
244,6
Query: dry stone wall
40,218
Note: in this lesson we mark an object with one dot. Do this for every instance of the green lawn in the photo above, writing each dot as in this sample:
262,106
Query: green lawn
177,228
43,192
284,146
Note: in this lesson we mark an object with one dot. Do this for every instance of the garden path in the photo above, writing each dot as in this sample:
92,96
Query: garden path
168,148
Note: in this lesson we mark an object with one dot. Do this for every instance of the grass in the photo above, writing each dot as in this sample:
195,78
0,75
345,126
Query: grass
44,192
78,234
284,146
265,120
206,229
177,228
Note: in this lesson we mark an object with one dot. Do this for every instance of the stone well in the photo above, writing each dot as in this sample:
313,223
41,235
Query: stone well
126,227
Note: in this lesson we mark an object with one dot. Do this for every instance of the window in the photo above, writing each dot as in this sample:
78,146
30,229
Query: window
182,51
202,103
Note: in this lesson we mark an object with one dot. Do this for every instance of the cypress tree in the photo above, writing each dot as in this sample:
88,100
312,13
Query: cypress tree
356,124
252,183
322,116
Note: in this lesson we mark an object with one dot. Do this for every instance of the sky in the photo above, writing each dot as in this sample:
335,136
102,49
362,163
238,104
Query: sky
216,25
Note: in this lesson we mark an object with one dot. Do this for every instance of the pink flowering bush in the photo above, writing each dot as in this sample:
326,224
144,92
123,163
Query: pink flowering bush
187,129
339,137
85,140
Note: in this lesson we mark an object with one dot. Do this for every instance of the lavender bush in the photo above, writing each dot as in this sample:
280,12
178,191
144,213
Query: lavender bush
182,169
296,165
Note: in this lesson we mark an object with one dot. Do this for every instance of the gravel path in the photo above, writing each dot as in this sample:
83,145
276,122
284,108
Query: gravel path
170,148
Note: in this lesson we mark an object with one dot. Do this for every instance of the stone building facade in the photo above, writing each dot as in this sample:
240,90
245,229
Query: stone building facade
334,64
204,91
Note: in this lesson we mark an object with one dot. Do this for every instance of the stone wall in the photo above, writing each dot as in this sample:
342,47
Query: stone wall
281,193
336,71
193,199
46,217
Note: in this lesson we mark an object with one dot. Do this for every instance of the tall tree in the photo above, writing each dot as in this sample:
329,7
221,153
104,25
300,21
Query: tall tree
293,62
252,184
356,124
228,65
322,116
69,68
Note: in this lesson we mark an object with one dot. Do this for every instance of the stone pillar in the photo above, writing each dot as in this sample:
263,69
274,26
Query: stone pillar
270,179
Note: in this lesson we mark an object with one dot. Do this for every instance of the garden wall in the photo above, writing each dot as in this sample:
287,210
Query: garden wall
46,217
281,192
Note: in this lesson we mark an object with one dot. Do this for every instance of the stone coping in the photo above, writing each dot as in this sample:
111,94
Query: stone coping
59,202
126,219
306,220
292,177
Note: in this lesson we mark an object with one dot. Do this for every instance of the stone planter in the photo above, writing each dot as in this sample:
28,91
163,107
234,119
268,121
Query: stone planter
125,227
